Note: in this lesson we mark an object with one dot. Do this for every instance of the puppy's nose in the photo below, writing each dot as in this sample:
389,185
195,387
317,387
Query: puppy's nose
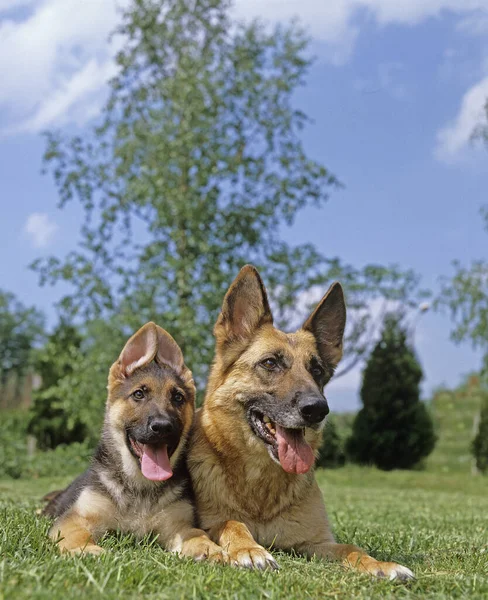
313,409
161,426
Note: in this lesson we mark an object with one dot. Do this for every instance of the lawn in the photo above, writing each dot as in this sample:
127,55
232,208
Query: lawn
435,523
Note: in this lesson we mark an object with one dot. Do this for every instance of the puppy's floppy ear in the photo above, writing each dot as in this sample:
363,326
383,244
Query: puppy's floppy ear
140,349
245,307
327,323
149,343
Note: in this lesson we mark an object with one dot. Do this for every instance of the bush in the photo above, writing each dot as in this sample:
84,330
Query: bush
13,443
394,429
480,442
16,462
48,421
331,453
64,460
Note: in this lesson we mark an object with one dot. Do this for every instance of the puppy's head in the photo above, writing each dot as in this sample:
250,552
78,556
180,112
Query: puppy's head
270,383
151,402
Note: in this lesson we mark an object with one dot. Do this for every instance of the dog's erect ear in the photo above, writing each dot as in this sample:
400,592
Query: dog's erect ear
150,342
245,307
168,352
327,323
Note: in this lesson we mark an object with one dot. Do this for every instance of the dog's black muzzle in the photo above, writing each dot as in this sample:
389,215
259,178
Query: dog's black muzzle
303,410
313,409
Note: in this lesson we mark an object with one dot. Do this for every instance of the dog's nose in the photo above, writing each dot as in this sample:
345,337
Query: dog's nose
313,409
161,426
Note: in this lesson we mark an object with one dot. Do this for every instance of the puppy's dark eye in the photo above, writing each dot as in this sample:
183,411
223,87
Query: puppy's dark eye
178,397
270,364
138,395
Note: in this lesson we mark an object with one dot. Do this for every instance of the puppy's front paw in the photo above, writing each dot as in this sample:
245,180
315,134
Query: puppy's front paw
253,557
92,549
200,549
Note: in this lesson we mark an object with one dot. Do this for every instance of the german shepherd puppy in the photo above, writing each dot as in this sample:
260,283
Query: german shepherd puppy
252,453
138,480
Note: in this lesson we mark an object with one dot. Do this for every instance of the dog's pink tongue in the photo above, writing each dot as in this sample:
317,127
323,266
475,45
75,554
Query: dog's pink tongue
155,463
295,455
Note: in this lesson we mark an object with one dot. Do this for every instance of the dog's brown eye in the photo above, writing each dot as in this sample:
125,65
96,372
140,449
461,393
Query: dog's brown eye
317,372
178,397
138,395
269,364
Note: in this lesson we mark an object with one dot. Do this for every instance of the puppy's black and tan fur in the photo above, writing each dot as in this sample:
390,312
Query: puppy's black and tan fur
252,453
138,480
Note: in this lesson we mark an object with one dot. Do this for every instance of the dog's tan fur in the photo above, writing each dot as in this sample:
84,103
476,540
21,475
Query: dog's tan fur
114,494
245,500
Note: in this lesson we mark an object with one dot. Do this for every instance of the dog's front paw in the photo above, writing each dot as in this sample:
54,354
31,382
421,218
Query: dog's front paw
92,549
388,570
392,571
204,549
253,557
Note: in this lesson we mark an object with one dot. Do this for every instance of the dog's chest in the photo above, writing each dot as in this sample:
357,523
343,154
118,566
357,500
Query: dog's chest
266,496
139,511
140,516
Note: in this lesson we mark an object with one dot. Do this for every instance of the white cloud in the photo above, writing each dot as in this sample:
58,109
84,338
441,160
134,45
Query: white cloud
329,21
335,22
55,58
55,61
454,138
40,229
77,99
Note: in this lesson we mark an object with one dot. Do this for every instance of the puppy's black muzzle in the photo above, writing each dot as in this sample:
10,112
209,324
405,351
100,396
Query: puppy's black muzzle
158,429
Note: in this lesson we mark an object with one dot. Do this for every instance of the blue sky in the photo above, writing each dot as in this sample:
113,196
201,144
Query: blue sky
394,94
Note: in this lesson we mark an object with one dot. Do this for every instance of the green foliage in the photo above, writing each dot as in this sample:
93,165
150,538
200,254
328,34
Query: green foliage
70,405
13,443
50,421
17,462
20,329
331,453
480,442
64,461
454,412
465,295
84,390
394,429
192,171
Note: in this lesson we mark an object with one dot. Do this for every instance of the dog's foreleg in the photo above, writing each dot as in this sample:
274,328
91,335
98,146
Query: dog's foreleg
74,535
77,530
236,539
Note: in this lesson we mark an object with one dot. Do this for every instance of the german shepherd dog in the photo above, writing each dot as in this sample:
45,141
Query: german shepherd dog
252,453
138,480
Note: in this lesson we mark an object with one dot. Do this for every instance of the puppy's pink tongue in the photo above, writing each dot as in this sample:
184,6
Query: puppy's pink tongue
155,463
295,455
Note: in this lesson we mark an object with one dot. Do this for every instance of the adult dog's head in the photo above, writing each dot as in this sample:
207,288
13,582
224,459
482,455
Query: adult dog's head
266,386
150,405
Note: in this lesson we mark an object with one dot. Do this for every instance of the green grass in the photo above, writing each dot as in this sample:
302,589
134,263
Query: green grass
454,413
435,523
